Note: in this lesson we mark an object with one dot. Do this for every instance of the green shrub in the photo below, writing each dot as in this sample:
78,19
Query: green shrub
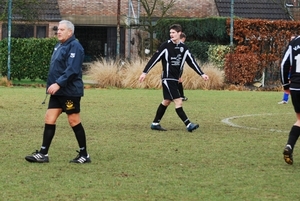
217,53
30,57
199,50
211,29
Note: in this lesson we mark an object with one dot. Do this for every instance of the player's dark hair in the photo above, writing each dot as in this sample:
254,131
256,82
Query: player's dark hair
176,27
182,35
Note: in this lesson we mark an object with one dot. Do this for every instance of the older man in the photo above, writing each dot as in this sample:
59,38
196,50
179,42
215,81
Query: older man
65,86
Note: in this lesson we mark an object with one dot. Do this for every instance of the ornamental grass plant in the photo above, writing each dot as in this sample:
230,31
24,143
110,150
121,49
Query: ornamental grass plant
126,74
5,82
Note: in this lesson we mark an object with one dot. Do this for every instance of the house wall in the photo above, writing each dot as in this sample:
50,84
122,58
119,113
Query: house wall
295,13
194,8
295,9
104,13
92,12
51,32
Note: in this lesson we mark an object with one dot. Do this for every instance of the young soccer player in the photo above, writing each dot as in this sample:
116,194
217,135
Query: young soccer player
172,53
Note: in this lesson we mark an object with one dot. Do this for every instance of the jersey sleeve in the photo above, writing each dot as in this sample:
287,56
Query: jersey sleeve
190,60
285,67
156,57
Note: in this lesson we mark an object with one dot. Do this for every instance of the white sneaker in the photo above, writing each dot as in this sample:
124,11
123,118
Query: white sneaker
282,102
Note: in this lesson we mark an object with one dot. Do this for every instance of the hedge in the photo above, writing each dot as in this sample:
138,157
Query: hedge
30,57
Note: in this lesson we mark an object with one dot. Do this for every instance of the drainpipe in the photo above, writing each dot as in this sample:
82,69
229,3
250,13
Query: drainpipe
9,38
129,34
231,23
118,29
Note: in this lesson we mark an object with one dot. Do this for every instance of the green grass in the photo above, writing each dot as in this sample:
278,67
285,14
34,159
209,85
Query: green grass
35,83
131,162
28,82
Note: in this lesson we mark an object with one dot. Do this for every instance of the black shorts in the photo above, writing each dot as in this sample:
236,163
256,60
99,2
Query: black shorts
69,105
295,96
170,89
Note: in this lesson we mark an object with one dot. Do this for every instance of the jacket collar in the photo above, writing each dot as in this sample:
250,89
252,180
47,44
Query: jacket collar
69,40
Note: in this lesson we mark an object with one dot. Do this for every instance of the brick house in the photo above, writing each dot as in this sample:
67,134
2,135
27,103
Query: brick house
96,20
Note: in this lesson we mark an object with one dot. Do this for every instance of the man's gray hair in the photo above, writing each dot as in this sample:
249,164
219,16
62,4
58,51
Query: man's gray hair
69,25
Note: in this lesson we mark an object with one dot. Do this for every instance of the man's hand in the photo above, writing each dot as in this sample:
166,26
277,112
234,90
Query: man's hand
53,88
205,77
142,77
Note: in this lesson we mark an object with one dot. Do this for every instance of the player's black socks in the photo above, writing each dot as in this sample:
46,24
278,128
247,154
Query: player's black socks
293,136
159,113
49,131
182,115
81,139
180,89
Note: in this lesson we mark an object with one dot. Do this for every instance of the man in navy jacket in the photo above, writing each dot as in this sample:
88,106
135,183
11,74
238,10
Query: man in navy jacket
65,86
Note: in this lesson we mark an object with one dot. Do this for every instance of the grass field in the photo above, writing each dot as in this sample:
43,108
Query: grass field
236,154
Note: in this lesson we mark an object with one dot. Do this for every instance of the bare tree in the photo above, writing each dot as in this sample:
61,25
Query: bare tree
155,10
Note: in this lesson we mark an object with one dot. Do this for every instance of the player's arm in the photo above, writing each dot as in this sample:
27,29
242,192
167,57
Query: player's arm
154,59
285,68
190,60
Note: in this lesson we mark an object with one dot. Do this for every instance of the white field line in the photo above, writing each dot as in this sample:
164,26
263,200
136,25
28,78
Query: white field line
228,122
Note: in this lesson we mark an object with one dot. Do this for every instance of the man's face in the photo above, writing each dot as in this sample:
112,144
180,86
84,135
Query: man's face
174,35
63,33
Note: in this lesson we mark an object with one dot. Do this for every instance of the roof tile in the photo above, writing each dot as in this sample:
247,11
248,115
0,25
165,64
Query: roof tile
253,9
48,10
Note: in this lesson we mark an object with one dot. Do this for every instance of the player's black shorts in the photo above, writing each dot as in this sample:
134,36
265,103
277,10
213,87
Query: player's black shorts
170,89
295,96
69,105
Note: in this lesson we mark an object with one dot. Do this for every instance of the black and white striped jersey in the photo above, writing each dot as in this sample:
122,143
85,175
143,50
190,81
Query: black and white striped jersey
173,56
290,66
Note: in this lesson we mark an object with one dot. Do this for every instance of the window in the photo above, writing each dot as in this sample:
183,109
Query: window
41,32
24,31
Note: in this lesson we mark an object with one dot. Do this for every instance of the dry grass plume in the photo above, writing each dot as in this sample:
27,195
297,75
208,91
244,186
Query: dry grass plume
5,82
105,73
111,74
